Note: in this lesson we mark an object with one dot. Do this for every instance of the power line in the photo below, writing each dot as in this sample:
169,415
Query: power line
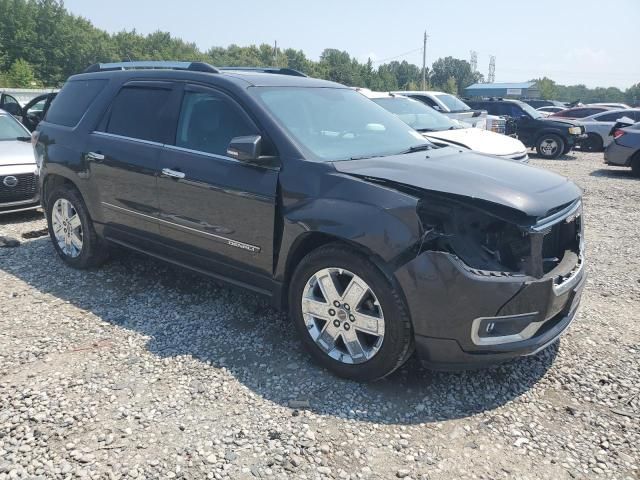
397,56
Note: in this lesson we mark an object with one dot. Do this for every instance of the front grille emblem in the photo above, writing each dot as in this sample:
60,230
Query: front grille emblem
10,181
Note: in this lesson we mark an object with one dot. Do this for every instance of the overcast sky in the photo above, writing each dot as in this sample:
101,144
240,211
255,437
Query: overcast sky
587,41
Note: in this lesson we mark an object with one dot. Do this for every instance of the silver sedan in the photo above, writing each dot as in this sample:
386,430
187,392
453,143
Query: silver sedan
598,126
18,169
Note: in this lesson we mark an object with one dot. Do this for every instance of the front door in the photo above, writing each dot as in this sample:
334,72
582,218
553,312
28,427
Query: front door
217,212
123,157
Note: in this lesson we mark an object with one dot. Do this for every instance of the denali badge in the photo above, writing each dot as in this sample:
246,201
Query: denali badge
244,246
10,181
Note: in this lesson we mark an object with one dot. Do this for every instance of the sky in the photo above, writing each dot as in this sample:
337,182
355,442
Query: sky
592,42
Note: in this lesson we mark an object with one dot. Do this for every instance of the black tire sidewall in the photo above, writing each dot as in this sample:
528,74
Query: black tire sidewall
397,345
558,139
594,143
92,251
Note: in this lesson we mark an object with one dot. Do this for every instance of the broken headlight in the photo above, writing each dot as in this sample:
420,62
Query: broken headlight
484,237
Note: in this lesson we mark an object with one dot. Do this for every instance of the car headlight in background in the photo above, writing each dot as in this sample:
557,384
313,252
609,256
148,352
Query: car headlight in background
575,130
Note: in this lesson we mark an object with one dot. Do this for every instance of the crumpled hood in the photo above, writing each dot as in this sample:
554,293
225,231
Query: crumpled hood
531,190
14,152
482,141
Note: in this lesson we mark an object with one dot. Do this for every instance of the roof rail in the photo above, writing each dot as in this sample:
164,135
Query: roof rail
142,65
277,70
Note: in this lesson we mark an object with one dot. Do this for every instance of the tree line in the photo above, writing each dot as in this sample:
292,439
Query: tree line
42,44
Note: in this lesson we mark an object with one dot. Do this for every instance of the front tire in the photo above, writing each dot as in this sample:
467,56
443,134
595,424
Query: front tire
350,317
71,229
635,165
550,146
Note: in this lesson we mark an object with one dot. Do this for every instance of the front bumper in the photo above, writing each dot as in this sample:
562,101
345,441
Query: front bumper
575,140
447,302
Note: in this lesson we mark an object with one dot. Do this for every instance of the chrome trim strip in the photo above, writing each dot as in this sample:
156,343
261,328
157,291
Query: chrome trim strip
572,281
528,332
228,241
571,210
122,137
199,152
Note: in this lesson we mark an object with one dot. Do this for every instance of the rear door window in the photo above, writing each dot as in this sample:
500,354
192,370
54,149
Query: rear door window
140,113
73,101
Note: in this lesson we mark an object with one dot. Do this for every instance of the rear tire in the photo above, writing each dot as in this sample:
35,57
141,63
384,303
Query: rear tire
593,143
635,165
550,146
334,330
71,229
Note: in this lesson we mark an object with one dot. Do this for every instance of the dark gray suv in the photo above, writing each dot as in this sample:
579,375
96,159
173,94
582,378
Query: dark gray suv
377,242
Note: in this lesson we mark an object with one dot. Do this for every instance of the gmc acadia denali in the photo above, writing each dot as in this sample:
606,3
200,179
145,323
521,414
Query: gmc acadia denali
377,242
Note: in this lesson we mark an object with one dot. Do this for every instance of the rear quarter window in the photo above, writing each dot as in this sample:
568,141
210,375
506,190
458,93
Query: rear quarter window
73,101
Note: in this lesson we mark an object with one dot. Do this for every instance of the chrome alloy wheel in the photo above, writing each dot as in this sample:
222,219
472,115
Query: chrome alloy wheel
549,147
343,315
67,227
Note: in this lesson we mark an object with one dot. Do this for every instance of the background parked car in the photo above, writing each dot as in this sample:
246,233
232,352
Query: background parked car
18,170
34,111
598,127
611,105
444,131
9,104
550,137
456,109
580,112
624,150
546,111
545,103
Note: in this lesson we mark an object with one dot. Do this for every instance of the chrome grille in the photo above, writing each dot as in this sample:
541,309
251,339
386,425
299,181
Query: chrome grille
25,189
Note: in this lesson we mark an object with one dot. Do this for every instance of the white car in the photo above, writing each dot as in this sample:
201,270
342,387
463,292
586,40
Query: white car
18,169
546,111
456,109
442,130
598,126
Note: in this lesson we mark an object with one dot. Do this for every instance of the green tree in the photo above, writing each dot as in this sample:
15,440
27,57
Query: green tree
451,86
632,95
21,75
547,87
460,70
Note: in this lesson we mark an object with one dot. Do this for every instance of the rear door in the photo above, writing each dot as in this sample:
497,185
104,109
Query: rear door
217,212
123,159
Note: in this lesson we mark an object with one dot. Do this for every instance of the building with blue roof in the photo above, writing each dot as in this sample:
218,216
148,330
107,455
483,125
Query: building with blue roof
503,90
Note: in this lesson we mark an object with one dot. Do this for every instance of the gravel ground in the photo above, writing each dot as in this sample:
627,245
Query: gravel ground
143,370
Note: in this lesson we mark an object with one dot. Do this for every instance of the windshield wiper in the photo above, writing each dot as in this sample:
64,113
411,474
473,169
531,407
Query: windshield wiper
23,139
417,148
425,130
363,157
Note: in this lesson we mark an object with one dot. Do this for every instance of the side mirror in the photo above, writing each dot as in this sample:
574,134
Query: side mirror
247,148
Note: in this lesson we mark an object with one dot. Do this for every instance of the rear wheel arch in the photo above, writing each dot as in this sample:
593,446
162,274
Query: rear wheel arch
51,182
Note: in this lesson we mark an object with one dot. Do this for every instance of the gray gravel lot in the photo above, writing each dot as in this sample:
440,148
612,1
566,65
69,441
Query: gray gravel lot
144,370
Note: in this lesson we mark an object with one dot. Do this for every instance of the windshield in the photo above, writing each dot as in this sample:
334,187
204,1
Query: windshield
454,104
530,110
338,124
10,129
416,114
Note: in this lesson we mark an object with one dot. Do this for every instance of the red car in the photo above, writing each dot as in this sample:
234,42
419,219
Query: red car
580,112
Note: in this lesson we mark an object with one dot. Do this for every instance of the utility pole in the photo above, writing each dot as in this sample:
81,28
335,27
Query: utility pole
275,52
424,62
474,61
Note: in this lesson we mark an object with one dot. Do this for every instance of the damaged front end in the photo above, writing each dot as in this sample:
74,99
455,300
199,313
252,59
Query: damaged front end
488,282
493,240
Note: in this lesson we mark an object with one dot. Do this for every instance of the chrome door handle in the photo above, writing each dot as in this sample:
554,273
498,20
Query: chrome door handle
95,156
167,172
